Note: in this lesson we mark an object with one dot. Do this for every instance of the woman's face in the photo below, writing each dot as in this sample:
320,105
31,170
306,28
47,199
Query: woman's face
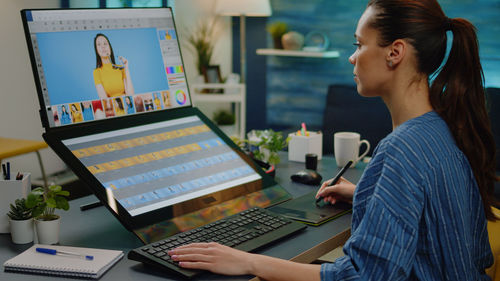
73,107
370,66
63,109
103,48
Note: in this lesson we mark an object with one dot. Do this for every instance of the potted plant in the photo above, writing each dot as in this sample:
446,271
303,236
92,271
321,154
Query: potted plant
44,202
225,120
21,222
277,29
201,42
267,143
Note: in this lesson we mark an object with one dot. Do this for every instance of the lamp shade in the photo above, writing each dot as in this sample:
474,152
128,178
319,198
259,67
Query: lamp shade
249,8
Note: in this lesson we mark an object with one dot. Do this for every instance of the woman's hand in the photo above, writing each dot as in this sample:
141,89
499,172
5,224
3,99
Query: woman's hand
213,257
124,61
343,190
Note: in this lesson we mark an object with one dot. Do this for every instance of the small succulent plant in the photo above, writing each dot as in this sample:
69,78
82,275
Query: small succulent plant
19,211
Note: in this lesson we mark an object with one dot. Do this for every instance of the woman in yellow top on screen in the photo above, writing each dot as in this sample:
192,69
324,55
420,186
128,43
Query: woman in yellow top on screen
76,114
111,79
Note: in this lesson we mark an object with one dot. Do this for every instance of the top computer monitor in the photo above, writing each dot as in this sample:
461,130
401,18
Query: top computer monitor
105,63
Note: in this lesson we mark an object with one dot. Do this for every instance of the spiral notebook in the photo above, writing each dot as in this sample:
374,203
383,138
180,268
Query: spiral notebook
31,261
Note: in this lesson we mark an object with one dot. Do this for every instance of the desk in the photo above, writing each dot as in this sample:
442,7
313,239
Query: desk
97,228
15,147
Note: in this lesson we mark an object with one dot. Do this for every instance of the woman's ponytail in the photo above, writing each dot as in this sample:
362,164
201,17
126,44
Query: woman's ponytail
457,94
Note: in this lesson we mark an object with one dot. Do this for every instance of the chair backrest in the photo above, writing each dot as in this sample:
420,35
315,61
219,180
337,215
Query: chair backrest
346,110
493,99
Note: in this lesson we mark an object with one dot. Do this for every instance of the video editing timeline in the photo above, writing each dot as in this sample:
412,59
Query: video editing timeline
69,103
161,164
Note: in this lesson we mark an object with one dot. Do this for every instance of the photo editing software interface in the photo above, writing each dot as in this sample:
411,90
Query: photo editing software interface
98,64
157,165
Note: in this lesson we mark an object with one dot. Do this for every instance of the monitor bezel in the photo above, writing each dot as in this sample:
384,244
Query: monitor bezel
42,111
55,140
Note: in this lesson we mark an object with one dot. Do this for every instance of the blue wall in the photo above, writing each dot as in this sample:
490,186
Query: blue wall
294,89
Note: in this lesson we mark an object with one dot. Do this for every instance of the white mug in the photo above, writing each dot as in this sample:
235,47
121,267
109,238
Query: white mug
346,147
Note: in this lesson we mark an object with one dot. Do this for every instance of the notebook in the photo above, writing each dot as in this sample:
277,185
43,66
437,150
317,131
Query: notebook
31,261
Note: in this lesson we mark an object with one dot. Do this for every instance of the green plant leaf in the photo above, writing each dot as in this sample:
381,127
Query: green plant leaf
51,203
38,210
274,158
55,188
63,193
62,203
32,200
38,191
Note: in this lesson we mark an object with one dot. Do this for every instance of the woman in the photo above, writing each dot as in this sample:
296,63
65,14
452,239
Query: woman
111,80
130,105
119,108
87,111
420,208
76,114
65,119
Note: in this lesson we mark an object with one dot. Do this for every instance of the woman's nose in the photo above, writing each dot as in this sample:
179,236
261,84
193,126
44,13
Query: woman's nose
352,58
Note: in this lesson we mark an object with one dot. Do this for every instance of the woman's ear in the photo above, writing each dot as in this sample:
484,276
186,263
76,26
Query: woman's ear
396,52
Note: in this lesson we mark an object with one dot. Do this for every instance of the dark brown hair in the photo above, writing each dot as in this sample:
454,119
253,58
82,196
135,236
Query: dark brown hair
457,92
98,62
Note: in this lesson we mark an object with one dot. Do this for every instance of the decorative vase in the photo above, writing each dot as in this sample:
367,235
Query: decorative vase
292,40
277,42
48,231
21,231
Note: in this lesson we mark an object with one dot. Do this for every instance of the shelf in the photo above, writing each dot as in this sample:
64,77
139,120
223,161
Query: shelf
309,54
234,93
217,97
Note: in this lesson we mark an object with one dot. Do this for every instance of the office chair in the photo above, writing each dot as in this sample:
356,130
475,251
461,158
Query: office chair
346,110
493,106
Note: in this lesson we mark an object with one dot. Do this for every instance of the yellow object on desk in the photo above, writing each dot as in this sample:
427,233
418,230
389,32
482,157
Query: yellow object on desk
494,235
14,147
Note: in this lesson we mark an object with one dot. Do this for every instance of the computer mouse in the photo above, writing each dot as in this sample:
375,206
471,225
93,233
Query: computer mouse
310,177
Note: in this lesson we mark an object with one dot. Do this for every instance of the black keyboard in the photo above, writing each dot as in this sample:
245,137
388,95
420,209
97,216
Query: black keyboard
247,231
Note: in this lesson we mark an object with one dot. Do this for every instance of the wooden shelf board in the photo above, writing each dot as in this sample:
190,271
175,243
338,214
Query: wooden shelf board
311,54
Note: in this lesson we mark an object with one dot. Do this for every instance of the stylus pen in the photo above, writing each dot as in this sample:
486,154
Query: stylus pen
337,178
64,253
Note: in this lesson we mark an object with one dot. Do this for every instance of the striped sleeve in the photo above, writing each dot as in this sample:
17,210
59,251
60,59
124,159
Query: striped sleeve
384,243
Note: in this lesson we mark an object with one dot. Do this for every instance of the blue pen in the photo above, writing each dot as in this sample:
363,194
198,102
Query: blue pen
63,253
8,171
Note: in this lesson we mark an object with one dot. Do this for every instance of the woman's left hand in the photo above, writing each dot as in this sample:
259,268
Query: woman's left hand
124,61
213,257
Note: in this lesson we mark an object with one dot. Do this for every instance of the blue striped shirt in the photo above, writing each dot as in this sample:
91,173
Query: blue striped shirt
417,212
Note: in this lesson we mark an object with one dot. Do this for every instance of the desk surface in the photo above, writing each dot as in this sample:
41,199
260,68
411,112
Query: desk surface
97,228
14,147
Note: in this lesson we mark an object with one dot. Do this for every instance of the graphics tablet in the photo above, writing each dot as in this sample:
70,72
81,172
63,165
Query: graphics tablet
304,209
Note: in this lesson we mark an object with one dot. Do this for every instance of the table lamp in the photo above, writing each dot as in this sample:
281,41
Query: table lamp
243,8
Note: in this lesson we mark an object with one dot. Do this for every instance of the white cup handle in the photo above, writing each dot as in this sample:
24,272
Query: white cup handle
366,151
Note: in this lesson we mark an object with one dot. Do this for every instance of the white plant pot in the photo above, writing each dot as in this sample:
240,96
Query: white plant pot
48,231
21,231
